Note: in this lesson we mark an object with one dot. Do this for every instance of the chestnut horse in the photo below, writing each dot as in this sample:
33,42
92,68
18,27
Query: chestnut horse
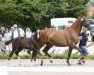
62,38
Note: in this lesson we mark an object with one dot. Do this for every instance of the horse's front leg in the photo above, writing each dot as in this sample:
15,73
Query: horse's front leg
17,54
41,56
69,53
50,57
34,56
46,52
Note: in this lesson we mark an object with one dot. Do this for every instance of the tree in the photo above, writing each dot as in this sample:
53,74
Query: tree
76,8
38,12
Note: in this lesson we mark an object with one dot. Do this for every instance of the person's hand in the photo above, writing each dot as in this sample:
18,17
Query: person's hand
80,37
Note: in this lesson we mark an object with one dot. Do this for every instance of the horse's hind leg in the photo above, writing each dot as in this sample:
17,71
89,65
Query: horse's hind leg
69,53
10,55
17,53
46,52
50,57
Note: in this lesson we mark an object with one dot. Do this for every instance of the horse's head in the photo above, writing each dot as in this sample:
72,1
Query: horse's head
84,22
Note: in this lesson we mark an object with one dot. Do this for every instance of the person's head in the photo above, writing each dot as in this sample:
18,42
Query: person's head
2,28
7,30
28,29
15,26
12,28
84,30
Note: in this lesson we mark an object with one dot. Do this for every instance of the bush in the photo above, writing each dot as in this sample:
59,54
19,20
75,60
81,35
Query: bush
54,56
3,55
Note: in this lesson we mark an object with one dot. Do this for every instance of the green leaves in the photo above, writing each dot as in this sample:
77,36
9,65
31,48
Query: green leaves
77,7
39,12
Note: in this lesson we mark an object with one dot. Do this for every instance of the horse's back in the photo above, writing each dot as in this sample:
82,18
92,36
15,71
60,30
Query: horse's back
58,37
51,36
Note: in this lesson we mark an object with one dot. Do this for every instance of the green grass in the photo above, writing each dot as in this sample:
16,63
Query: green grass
54,56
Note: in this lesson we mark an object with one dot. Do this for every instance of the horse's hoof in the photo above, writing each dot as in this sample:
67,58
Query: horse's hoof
7,64
79,63
19,64
35,65
51,61
41,64
83,61
69,64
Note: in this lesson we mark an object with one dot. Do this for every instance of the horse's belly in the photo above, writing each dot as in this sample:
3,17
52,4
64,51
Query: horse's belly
26,46
59,43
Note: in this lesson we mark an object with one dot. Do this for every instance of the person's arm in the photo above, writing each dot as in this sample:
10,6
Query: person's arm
80,37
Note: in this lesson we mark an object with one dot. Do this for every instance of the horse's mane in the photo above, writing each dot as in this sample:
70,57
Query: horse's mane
74,24
34,36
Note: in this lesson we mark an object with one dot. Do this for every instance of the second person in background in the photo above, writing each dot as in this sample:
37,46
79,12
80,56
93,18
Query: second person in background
28,32
16,32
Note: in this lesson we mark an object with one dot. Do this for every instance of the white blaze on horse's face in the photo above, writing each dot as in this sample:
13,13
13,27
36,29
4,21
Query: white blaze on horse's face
82,19
38,34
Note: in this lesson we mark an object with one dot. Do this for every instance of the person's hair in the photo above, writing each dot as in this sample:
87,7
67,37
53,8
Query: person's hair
28,29
6,29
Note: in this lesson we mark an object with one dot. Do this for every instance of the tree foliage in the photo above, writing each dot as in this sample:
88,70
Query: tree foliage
38,12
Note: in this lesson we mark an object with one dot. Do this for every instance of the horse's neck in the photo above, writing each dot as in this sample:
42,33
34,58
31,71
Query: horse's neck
77,27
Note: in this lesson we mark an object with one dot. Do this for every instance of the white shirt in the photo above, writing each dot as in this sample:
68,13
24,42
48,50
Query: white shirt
28,34
21,32
15,33
7,36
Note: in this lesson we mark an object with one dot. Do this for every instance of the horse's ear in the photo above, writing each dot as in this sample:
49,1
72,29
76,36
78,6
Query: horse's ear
82,15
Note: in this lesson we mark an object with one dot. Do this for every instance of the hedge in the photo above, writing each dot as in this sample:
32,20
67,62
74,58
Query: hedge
54,56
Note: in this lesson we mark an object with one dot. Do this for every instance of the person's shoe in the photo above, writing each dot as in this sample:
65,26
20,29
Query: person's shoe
83,61
79,62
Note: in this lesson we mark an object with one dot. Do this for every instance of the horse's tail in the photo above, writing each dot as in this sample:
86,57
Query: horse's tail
8,42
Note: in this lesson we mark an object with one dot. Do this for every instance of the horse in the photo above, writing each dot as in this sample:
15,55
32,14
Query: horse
62,38
21,43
